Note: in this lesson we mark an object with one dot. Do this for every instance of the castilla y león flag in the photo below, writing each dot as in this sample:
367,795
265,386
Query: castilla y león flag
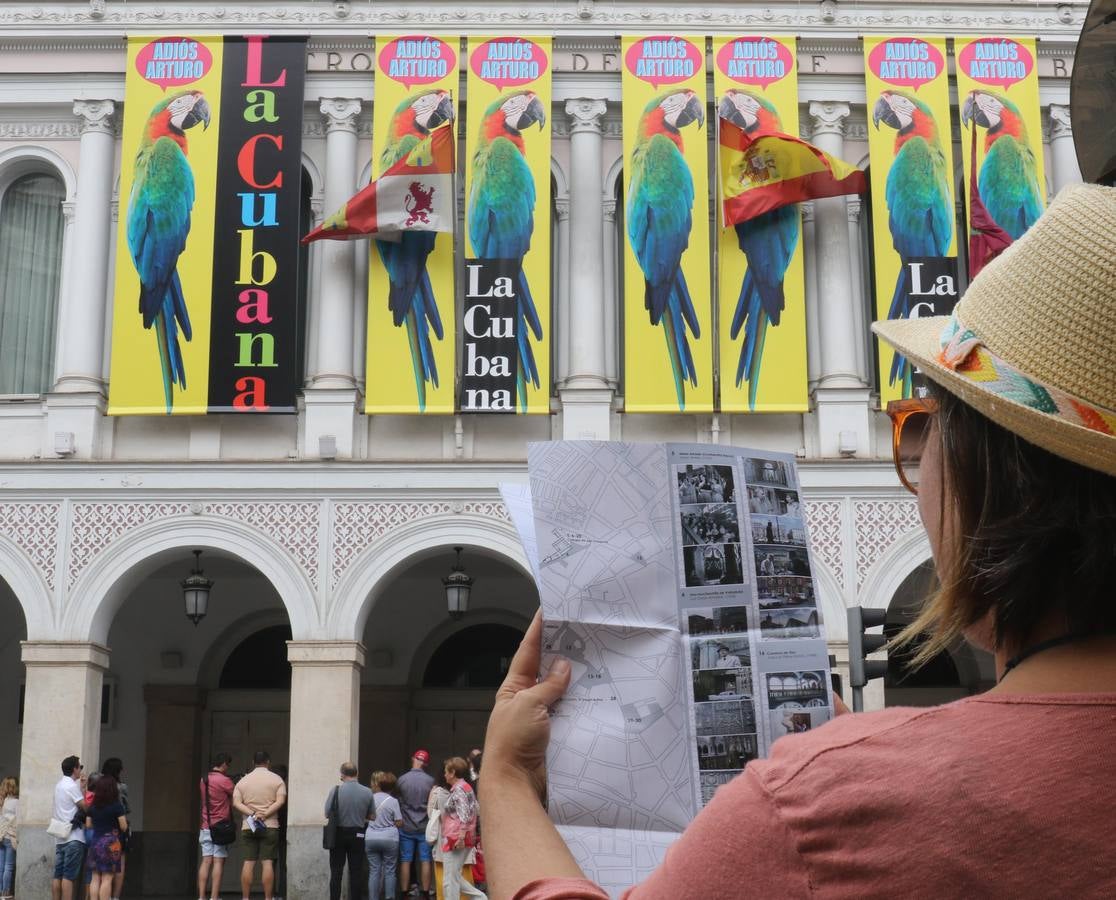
762,172
415,194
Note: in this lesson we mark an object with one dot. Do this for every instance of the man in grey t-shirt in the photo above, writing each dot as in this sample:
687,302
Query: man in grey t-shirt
351,805
414,791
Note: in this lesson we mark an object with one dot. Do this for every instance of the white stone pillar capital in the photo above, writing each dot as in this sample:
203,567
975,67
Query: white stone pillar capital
95,115
828,117
1063,155
852,208
586,114
340,113
608,211
1060,124
562,208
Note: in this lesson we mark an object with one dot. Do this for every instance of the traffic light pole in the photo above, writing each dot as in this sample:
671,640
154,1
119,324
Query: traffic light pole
861,669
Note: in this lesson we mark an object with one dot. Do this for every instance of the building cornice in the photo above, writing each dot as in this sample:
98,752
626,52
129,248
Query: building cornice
50,22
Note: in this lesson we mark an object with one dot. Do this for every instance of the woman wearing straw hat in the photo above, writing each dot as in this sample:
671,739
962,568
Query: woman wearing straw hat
1003,794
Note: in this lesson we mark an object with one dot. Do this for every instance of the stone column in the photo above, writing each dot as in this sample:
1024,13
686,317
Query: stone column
76,403
61,717
1063,157
813,339
586,396
331,398
562,281
611,317
325,725
856,285
841,397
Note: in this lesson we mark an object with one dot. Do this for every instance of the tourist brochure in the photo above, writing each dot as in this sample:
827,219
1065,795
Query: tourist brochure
676,578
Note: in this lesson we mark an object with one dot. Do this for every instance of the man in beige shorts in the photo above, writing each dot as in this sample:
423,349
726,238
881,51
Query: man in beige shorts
259,796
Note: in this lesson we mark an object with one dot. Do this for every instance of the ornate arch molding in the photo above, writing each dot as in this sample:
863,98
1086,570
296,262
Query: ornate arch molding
612,178
831,602
97,593
400,539
31,589
561,183
889,571
28,159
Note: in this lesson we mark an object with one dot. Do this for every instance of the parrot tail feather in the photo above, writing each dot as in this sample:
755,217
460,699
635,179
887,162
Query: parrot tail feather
900,300
413,343
179,303
757,357
749,296
164,361
426,291
670,327
682,292
527,365
527,309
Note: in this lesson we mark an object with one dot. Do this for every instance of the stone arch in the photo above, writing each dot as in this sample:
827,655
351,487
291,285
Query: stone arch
364,578
316,180
830,601
892,568
29,160
30,589
219,651
447,629
614,175
561,183
100,590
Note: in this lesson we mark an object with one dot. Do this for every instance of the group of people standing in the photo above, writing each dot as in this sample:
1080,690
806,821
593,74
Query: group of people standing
413,831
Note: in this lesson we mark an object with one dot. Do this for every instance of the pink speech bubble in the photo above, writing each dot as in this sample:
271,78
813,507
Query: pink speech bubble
417,59
999,61
509,62
755,61
664,59
907,62
174,61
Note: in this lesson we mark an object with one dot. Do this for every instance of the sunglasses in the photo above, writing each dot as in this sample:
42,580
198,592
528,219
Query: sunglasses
910,425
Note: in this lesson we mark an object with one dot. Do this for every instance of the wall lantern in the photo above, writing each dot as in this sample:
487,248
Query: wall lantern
458,586
195,591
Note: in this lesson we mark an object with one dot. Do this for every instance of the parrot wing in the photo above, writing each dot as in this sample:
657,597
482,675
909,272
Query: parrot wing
1009,185
405,262
661,196
397,150
920,214
158,225
768,242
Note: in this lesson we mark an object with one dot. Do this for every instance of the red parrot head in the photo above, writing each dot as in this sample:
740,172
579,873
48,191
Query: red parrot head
993,112
909,116
747,111
181,111
422,114
520,109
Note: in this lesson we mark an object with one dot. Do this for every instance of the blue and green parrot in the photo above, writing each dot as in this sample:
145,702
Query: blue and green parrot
158,224
660,200
501,210
920,212
1008,180
410,296
768,242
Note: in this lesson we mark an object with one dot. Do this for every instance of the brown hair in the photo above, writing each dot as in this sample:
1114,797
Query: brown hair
1029,535
384,781
9,787
458,766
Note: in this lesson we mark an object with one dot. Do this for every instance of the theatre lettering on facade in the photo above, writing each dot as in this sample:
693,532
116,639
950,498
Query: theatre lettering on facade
326,423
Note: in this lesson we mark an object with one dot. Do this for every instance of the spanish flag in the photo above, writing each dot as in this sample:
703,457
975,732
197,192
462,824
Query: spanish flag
762,172
415,194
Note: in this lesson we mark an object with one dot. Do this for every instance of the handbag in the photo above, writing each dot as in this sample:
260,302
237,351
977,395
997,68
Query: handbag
434,827
222,832
59,829
329,830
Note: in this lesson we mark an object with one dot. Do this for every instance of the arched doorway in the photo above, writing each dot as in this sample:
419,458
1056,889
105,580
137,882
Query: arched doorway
12,632
180,693
960,671
431,679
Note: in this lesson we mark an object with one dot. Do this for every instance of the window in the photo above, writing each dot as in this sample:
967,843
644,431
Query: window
259,662
30,272
476,657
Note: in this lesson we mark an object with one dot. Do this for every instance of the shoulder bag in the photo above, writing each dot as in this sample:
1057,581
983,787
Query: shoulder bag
223,832
329,830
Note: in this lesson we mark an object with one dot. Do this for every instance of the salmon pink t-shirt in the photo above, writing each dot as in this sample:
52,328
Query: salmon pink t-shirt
997,795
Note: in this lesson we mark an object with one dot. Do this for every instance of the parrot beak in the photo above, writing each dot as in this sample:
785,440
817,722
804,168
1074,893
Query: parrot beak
532,114
199,113
968,111
442,113
728,109
692,112
974,111
882,112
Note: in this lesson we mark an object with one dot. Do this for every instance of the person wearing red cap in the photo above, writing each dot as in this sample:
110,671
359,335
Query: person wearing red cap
414,791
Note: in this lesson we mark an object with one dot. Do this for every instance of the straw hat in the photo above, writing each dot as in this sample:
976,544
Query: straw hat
1032,344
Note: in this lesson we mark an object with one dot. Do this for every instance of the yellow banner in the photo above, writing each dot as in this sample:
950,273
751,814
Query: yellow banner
761,288
998,93
505,323
136,383
411,322
667,294
914,226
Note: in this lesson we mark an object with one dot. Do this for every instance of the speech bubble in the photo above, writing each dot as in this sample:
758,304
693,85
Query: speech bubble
999,61
174,61
664,59
509,62
906,62
755,61
417,59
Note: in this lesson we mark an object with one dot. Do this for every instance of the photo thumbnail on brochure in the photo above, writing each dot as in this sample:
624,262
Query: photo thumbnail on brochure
676,579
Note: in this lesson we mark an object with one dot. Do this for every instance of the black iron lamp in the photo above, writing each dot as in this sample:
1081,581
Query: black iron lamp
458,586
195,591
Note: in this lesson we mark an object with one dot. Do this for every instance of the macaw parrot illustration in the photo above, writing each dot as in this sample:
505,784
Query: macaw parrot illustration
501,210
158,224
768,242
1008,179
920,213
410,295
660,200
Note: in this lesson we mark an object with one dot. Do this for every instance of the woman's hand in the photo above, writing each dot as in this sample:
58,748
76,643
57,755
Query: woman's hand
519,728
460,843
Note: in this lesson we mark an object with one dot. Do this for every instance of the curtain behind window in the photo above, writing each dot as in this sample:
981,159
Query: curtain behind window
30,273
